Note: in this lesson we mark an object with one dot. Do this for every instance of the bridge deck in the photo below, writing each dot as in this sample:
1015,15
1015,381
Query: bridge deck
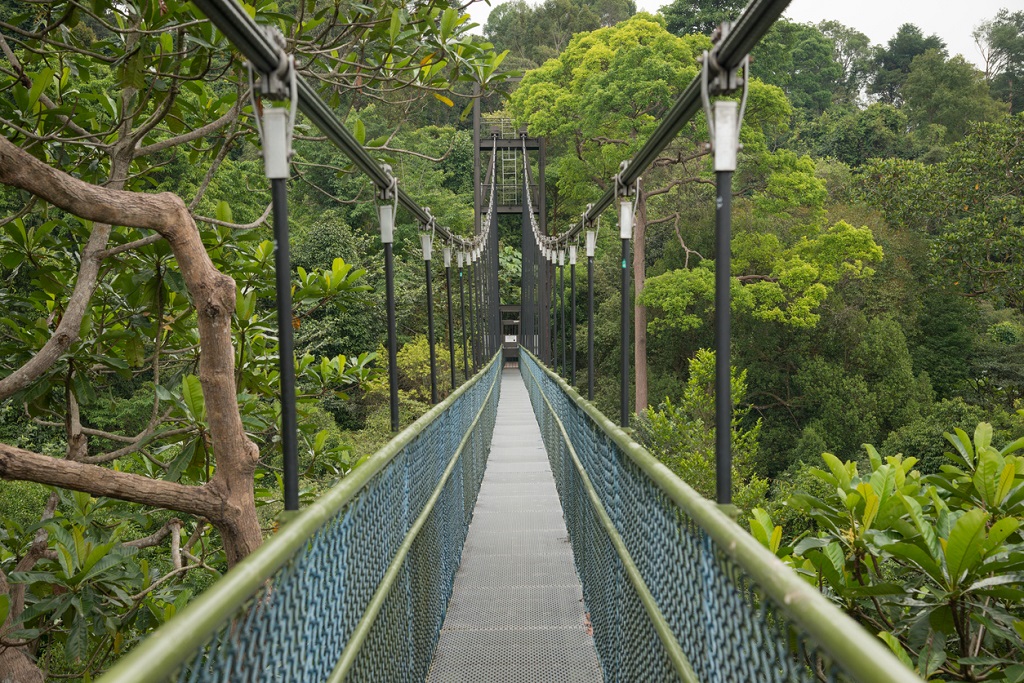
517,611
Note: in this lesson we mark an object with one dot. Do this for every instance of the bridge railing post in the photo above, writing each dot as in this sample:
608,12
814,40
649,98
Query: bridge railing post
426,245
591,248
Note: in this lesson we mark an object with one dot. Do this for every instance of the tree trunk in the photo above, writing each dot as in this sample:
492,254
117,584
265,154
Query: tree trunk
15,664
228,500
640,312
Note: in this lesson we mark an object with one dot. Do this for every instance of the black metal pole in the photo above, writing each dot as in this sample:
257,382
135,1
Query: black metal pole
465,349
451,323
553,322
561,305
723,383
389,277
624,340
430,333
572,325
473,341
286,344
590,328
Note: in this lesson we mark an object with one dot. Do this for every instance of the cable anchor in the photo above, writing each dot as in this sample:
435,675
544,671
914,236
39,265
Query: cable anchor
723,120
277,127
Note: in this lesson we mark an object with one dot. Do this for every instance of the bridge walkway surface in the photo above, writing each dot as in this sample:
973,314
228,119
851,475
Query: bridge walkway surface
517,612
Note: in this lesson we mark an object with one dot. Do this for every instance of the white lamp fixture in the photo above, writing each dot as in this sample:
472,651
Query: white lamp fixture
447,253
561,257
387,223
591,243
427,244
572,254
626,218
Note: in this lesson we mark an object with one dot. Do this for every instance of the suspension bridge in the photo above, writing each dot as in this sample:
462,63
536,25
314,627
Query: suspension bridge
513,532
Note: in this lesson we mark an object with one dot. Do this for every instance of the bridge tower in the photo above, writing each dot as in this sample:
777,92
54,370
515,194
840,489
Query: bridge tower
517,155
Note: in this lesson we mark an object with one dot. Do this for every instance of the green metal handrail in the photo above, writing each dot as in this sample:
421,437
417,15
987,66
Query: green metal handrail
157,657
863,656
661,626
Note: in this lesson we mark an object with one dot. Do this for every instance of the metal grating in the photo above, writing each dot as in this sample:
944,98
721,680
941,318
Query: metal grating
516,612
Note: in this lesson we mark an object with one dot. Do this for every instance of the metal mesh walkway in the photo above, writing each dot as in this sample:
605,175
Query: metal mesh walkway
516,613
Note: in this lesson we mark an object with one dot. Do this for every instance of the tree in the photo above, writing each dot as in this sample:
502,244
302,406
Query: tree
929,563
1001,42
947,93
892,65
683,436
970,206
536,34
853,52
108,285
597,104
800,59
684,17
853,135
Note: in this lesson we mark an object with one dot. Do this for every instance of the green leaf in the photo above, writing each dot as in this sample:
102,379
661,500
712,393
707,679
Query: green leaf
838,469
1006,480
964,547
5,608
923,527
39,84
932,655
192,394
396,24
919,558
359,131
999,533
897,648
986,476
223,212
982,437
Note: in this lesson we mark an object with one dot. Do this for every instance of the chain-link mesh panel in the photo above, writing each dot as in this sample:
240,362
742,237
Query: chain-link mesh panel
297,627
727,627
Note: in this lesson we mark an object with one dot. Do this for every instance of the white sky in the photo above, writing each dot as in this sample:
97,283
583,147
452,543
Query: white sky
879,19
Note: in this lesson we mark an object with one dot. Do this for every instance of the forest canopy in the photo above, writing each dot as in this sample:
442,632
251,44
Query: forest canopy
877,278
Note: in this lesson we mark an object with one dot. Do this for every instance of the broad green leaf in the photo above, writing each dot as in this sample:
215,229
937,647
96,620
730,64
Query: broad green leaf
1005,481
962,443
181,461
396,24
897,648
838,469
923,527
192,394
1013,447
871,504
998,533
919,559
224,212
39,84
932,655
986,476
873,456
963,549
982,436
359,131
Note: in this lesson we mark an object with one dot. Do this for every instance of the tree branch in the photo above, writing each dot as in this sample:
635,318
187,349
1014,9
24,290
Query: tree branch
16,463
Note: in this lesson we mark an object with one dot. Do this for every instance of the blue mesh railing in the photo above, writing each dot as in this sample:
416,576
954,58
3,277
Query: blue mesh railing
356,585
674,587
